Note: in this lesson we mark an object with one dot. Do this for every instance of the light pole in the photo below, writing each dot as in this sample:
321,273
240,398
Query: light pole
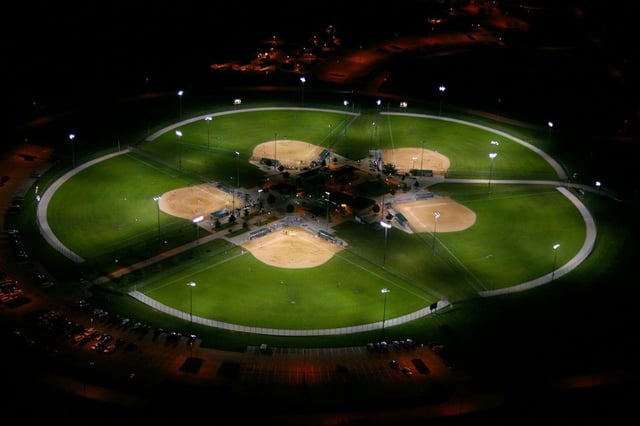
72,136
441,88
208,119
328,194
157,200
302,81
421,157
191,285
275,151
384,291
436,216
386,227
180,93
346,104
492,156
555,258
196,220
373,134
178,136
237,178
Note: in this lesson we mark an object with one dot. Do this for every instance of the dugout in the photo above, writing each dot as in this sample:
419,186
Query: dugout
327,236
258,233
402,220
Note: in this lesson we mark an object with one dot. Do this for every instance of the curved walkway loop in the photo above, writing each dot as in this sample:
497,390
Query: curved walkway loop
582,254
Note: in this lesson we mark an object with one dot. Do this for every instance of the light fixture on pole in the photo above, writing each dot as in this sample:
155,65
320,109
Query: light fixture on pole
441,88
180,93
346,104
373,134
157,200
492,156
421,158
208,119
237,178
72,136
384,291
196,220
436,216
555,258
191,285
178,136
386,227
275,151
302,81
328,194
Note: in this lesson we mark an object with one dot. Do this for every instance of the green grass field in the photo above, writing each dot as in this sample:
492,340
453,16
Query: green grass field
116,222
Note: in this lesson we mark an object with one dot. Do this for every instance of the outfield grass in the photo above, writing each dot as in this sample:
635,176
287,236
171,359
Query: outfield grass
510,243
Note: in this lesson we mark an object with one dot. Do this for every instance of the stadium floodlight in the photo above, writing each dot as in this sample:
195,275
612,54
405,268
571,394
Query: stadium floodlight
386,227
191,285
178,136
303,80
328,194
555,258
436,216
275,151
441,88
196,220
157,200
72,136
346,104
180,93
384,291
208,119
492,156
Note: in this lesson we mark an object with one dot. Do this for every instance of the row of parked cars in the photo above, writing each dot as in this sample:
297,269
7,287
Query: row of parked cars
383,346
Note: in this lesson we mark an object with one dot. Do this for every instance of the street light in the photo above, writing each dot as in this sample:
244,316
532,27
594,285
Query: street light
555,258
386,227
180,93
492,155
302,81
191,285
441,88
196,220
436,216
157,200
72,136
384,291
178,136
328,194
208,120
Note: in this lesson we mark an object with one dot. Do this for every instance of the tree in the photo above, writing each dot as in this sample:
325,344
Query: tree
389,169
